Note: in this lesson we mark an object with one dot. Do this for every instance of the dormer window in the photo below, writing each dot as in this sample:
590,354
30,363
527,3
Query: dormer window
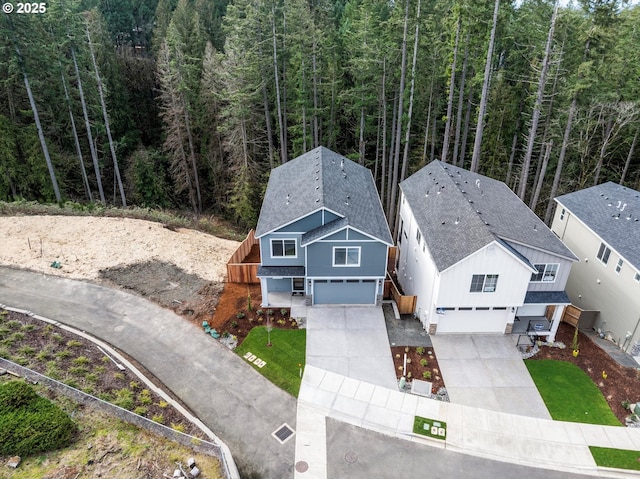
619,266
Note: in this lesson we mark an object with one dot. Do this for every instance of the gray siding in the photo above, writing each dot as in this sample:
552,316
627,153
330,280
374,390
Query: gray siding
539,257
354,235
265,251
338,236
372,259
279,284
304,224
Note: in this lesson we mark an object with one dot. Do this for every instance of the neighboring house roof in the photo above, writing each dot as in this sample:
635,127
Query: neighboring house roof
612,212
320,179
459,212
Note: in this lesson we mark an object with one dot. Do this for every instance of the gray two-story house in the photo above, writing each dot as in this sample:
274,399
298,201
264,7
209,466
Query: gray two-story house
322,231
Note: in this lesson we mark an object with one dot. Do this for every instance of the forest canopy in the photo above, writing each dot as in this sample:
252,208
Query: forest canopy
189,104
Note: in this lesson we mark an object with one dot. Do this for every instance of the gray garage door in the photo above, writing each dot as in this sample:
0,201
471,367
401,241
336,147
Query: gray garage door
344,292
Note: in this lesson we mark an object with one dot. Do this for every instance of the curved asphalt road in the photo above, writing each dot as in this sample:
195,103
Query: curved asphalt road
232,399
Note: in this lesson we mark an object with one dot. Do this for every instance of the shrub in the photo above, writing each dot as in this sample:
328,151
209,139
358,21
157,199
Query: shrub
426,374
239,315
270,312
29,423
63,354
259,312
424,362
27,351
74,343
124,399
420,351
234,324
159,418
140,410
145,397
57,336
178,427
283,312
81,361
163,404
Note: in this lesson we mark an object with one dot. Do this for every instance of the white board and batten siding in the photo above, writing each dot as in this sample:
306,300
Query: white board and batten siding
455,285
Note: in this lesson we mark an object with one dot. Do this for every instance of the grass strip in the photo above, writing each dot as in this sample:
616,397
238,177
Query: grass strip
569,393
284,359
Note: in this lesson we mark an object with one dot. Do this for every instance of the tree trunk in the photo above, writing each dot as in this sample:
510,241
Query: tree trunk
405,157
629,156
36,117
465,132
361,136
452,85
283,146
106,119
316,125
192,157
426,128
456,142
543,170
85,180
563,152
87,124
537,107
267,119
383,98
477,144
390,165
398,135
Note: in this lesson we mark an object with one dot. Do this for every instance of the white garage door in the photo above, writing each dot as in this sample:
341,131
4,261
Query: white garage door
474,321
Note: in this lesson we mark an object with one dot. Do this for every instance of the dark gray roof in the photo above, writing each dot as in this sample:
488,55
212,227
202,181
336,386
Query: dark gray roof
459,212
319,179
324,230
284,271
546,297
612,212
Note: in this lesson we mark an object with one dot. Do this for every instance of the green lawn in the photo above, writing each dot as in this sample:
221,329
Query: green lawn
283,358
569,394
617,458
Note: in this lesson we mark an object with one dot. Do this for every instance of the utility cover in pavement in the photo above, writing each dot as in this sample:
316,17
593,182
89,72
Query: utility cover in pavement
283,433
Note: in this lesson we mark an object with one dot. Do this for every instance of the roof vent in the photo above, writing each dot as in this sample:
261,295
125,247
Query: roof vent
486,223
457,220
619,203
478,183
317,187
342,164
317,200
443,222
535,227
479,212
445,167
471,201
317,178
623,207
347,202
427,195
288,197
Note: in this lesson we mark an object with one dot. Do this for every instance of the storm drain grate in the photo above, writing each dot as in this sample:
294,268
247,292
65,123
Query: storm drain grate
283,433
351,457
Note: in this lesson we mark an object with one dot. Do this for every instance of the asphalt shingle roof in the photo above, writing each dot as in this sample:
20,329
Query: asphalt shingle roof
319,179
459,212
612,212
546,297
284,271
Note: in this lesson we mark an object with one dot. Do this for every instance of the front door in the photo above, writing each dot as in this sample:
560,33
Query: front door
298,285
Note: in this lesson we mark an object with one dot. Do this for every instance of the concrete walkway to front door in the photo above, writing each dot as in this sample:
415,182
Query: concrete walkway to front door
351,341
487,371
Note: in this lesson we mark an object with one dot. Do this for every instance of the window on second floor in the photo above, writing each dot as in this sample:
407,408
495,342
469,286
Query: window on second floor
483,283
418,236
346,256
546,273
562,213
619,265
637,277
283,248
603,253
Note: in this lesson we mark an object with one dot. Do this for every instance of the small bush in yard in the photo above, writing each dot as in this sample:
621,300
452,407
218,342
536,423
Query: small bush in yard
124,399
420,351
423,362
29,423
426,375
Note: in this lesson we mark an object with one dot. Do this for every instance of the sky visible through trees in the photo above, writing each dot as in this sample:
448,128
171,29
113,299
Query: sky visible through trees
189,104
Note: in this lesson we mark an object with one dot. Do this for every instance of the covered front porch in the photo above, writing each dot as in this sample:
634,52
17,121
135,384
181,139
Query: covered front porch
540,315
281,279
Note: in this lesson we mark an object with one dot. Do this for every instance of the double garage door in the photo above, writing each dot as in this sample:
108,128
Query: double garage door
473,321
351,291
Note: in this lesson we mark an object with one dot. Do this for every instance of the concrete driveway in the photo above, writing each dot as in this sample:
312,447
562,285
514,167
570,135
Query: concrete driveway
351,341
487,371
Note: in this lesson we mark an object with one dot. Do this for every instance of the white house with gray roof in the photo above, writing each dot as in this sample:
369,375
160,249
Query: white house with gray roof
477,258
601,225
322,231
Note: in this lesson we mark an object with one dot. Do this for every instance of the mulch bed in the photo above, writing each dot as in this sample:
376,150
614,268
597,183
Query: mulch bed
621,383
415,370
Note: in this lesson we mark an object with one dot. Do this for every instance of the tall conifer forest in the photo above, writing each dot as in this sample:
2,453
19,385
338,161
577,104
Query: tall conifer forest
188,104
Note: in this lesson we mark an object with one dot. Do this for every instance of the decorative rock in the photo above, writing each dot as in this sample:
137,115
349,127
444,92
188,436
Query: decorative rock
14,462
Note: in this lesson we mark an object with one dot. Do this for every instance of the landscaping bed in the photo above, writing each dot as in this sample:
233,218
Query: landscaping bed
620,384
422,364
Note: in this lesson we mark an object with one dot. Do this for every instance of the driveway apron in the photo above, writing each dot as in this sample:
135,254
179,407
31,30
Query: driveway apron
351,341
232,399
487,371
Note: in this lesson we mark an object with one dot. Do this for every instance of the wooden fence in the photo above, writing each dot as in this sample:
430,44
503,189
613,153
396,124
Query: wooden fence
571,315
239,272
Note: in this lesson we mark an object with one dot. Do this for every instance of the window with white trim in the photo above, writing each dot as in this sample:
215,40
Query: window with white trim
546,273
637,277
562,214
483,283
283,248
619,265
346,256
603,253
